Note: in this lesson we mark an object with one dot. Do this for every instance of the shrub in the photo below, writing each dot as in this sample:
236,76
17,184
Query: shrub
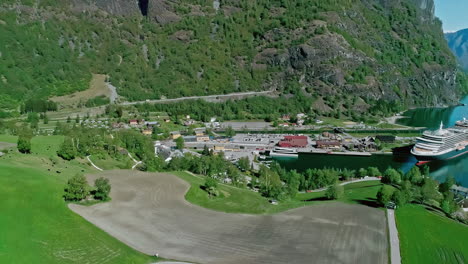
334,192
77,188
103,189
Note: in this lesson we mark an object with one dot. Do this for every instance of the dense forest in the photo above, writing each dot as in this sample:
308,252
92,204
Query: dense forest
322,49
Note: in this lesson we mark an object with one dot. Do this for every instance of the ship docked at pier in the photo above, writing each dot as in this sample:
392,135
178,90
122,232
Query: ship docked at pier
442,144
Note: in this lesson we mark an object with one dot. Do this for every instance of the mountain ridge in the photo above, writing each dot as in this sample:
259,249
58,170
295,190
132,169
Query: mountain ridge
371,50
458,43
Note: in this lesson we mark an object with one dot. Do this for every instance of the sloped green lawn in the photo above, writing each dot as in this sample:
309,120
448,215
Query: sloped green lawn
426,237
35,224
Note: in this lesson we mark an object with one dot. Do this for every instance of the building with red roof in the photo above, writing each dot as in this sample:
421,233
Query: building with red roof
293,142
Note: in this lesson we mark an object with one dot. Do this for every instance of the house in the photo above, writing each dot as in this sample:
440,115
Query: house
133,122
293,142
147,132
219,148
328,144
189,122
190,139
199,132
151,123
459,190
203,138
286,117
175,134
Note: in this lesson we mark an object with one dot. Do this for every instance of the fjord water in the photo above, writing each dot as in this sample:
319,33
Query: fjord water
422,117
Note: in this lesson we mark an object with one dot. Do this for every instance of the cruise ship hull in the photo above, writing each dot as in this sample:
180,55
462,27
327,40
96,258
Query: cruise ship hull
445,156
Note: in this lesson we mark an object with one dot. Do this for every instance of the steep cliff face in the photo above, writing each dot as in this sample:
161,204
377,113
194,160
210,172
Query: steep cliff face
458,43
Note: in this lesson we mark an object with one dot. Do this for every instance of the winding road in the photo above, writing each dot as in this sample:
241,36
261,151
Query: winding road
205,97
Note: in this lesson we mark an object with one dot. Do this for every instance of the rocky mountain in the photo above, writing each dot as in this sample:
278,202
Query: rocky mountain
366,51
458,43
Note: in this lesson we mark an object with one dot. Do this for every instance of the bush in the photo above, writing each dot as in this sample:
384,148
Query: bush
24,144
102,189
334,192
77,188
384,195
211,186
67,150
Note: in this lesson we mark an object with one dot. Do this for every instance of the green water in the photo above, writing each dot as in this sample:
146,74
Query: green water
424,117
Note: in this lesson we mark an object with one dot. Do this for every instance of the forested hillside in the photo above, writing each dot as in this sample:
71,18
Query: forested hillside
336,51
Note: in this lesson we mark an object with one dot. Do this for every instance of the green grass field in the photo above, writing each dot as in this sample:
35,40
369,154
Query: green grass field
35,224
108,163
429,238
237,200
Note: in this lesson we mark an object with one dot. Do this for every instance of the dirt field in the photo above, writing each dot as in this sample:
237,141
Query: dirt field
97,87
149,213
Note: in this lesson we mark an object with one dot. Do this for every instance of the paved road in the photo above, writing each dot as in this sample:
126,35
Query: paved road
207,97
394,240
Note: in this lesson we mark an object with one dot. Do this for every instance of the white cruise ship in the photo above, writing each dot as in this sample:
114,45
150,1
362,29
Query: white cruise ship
442,144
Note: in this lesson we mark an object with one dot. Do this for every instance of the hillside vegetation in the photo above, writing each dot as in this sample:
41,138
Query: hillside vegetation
35,224
336,51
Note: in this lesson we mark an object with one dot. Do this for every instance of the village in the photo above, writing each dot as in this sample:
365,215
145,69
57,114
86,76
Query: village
258,140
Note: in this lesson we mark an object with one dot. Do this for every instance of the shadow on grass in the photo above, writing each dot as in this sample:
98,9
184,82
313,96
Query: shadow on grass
316,199
371,202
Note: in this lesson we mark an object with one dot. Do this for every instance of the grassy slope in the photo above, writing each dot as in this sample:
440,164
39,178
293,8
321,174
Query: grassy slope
238,200
35,224
429,238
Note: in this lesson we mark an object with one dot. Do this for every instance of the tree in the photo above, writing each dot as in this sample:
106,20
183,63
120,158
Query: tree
373,171
77,119
347,174
391,176
211,186
400,197
243,163
76,189
68,119
449,205
270,183
206,151
67,150
180,143
334,192
24,144
46,119
102,189
362,172
293,181
384,195
230,131
445,187
414,175
429,190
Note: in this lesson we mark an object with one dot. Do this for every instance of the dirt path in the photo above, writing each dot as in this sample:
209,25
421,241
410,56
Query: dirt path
149,213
